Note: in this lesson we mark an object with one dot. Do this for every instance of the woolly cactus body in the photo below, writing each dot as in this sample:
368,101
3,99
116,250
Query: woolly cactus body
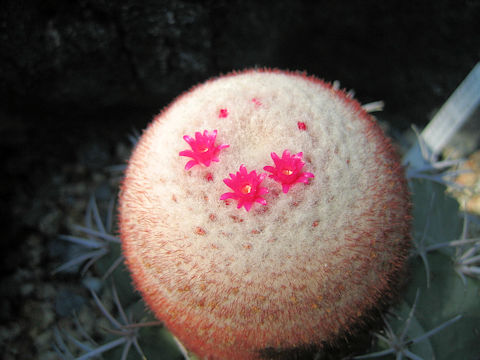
302,267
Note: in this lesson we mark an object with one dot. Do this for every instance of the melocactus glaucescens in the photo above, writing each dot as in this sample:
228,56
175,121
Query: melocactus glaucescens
264,211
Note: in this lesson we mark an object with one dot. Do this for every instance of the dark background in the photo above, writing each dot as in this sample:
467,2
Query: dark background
98,56
77,76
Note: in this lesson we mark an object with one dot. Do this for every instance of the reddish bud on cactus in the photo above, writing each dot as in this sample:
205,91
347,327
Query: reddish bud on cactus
302,271
302,126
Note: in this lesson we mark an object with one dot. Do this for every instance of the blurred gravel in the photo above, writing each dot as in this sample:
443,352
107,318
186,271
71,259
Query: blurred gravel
48,193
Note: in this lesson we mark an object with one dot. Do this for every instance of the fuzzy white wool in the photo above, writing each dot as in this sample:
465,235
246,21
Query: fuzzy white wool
194,248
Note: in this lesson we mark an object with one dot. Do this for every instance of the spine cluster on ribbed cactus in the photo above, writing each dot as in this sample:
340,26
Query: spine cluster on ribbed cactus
264,211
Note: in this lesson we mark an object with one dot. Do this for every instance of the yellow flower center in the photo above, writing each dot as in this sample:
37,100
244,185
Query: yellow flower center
246,189
203,149
287,172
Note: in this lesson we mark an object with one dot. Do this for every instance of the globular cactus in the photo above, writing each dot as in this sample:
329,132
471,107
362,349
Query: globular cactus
282,224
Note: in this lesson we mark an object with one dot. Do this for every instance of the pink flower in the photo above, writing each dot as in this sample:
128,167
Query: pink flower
203,150
288,170
246,187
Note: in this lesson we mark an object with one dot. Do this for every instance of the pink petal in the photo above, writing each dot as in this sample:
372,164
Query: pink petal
261,201
189,139
275,158
228,195
190,164
299,165
240,203
305,177
186,153
285,188
246,205
262,191
228,182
